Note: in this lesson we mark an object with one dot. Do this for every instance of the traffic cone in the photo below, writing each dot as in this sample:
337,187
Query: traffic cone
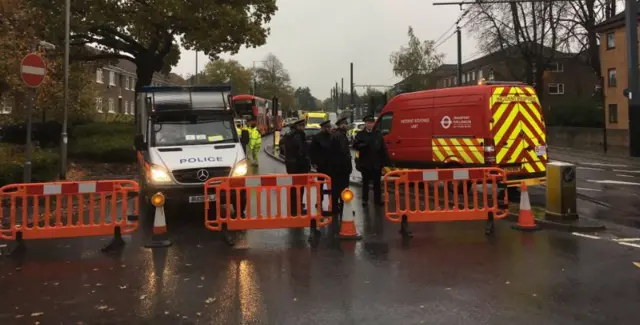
348,229
525,217
159,237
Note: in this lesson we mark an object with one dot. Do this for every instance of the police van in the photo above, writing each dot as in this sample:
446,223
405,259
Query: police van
185,136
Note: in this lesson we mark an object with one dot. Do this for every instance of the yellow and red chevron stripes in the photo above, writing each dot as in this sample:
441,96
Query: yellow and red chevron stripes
460,150
517,127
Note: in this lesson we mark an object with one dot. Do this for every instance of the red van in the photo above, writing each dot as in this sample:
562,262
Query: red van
496,124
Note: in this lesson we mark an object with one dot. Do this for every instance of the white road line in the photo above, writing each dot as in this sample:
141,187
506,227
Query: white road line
627,171
629,244
607,181
588,189
626,239
623,175
601,164
585,235
591,168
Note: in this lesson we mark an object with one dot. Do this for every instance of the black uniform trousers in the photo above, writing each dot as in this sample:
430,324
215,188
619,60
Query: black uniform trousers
339,182
323,170
368,177
296,195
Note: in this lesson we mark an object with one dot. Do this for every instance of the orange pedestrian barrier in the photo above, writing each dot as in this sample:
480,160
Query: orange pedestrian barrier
267,201
445,195
68,210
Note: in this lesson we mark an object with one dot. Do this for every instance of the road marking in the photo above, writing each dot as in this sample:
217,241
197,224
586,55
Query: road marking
626,171
585,235
636,264
607,181
629,244
588,189
623,175
626,239
591,168
602,165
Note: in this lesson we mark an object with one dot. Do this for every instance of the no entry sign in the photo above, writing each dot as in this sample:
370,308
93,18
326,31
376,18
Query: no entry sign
32,70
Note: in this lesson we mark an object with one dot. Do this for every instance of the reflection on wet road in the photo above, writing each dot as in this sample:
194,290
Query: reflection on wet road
449,273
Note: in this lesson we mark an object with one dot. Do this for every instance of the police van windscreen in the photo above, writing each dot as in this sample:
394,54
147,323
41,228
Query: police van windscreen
202,100
315,120
187,131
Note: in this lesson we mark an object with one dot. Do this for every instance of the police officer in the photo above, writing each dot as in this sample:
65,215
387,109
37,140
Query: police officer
297,161
255,142
244,138
340,167
319,149
372,157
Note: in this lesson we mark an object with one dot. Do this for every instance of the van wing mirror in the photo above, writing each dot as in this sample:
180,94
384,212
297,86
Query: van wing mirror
385,132
138,142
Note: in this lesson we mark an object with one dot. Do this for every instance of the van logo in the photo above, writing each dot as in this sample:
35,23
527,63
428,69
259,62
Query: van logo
445,122
202,175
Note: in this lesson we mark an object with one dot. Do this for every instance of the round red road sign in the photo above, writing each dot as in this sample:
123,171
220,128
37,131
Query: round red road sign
32,70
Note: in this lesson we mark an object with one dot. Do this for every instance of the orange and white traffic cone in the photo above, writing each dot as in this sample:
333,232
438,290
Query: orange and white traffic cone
159,236
348,229
525,217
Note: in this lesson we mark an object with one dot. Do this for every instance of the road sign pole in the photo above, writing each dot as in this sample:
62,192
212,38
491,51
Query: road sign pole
63,135
32,72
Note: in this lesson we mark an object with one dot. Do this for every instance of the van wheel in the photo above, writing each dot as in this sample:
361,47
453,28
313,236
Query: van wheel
514,194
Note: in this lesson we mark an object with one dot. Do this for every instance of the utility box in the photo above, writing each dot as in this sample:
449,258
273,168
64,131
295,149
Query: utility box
561,191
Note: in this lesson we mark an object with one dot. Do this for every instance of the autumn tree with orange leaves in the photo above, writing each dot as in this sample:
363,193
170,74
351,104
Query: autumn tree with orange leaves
20,27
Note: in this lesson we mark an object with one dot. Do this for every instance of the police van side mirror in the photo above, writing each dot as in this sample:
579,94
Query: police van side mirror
385,132
138,143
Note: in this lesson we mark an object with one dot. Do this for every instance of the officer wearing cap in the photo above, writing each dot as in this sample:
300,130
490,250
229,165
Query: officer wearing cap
372,156
340,168
319,149
297,160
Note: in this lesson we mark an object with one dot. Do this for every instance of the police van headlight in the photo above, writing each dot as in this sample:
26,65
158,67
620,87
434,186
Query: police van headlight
159,174
240,169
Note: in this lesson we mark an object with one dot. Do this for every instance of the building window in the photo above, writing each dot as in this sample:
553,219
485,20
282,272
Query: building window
99,104
556,89
473,75
131,108
126,108
464,77
99,76
112,78
491,75
611,77
479,74
613,113
611,40
556,67
112,106
5,105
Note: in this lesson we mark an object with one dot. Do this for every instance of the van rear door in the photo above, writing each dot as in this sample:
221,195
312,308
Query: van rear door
518,129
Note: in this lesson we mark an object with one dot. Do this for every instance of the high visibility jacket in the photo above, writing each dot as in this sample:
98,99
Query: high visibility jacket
255,138
239,130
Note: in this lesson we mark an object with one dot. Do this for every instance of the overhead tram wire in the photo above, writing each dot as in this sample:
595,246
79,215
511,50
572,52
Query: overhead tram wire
437,41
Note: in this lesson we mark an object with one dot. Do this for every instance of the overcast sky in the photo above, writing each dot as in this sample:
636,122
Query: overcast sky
316,40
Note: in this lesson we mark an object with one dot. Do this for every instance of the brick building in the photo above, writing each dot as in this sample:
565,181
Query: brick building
567,82
116,85
613,64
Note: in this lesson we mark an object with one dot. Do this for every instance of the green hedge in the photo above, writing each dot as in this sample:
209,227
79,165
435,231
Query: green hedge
103,142
585,114
45,165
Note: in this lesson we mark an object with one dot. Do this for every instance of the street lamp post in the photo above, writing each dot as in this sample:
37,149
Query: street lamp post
64,139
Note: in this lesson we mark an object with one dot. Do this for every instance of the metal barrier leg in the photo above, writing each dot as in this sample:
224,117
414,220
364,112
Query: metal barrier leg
226,236
18,250
116,243
314,233
404,228
489,227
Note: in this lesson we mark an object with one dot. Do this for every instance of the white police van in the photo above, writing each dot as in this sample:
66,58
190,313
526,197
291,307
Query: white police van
186,135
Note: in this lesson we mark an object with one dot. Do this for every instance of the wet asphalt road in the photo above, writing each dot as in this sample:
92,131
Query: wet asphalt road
449,273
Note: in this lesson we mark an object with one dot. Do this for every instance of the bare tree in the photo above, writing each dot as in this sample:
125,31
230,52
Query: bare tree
272,78
528,34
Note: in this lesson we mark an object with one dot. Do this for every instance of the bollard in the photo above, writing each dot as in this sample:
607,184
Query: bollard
561,192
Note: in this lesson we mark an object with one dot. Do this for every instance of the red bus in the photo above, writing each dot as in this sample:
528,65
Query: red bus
256,110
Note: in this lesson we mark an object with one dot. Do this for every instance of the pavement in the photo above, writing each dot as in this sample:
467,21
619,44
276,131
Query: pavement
448,273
